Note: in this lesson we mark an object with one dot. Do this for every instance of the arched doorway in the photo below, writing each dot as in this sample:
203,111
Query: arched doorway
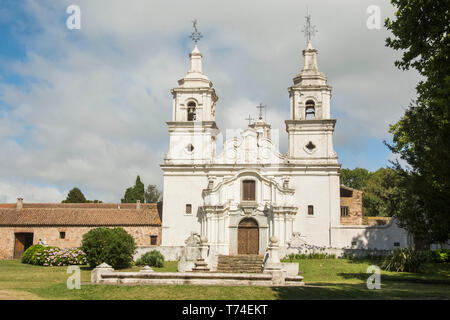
248,236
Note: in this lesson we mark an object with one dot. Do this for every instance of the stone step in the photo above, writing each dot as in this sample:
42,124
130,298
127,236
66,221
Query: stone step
240,264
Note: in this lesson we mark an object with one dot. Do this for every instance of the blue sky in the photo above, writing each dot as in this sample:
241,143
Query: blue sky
88,107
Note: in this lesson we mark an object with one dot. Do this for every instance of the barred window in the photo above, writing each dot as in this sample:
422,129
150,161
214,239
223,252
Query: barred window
344,211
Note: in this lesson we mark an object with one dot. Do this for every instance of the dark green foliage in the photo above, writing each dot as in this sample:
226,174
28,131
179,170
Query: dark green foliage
381,196
135,193
113,246
153,259
405,260
421,31
75,196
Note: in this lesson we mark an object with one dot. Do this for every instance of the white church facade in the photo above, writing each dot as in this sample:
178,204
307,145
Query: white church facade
237,199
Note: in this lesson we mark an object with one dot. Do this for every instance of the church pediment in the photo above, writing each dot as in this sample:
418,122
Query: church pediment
249,148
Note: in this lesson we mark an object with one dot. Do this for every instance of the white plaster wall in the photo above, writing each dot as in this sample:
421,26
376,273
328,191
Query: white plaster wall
315,189
180,190
369,237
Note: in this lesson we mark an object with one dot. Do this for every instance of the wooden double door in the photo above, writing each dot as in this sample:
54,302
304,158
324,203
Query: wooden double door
248,236
22,242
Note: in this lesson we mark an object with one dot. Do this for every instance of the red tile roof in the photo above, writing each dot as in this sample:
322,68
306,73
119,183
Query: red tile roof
80,214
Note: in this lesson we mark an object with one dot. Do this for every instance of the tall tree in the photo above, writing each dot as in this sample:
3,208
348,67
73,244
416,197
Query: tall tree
152,194
421,30
134,193
75,196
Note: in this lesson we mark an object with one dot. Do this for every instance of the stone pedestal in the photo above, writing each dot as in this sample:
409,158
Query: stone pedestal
273,261
200,264
99,270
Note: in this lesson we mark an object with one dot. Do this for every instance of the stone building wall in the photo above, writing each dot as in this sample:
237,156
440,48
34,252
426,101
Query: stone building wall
352,199
73,236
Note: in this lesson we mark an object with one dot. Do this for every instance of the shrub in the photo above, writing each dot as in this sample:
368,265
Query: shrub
440,255
29,256
53,256
113,246
405,260
153,259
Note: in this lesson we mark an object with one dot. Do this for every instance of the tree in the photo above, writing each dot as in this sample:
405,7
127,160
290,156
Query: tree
134,193
381,196
355,178
421,30
152,194
75,196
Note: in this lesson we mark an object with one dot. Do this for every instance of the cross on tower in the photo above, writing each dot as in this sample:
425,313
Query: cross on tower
195,35
260,107
309,30
249,119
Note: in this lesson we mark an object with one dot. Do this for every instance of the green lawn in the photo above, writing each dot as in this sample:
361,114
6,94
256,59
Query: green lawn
325,279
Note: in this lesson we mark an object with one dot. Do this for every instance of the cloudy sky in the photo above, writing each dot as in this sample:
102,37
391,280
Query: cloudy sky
88,107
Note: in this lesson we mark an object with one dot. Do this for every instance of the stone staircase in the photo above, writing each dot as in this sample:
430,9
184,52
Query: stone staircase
240,264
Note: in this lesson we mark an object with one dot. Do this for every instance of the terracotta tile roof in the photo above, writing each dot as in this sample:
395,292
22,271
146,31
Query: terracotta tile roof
86,214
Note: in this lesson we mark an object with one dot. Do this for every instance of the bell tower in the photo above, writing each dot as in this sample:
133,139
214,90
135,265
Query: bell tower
193,128
310,127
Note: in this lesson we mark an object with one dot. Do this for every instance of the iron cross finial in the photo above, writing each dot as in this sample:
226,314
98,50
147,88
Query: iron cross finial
249,119
309,30
195,35
260,107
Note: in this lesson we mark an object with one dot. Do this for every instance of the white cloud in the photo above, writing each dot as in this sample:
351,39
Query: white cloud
94,114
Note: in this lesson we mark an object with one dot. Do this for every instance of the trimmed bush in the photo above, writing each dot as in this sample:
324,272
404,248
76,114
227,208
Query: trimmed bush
153,259
405,260
53,256
113,246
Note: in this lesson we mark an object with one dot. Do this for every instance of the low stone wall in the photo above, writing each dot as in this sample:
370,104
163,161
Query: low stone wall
104,274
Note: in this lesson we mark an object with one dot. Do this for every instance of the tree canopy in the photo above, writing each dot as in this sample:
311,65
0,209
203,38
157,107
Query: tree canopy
421,30
138,192
75,196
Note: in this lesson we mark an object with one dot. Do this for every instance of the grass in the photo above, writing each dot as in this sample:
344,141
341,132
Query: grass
325,279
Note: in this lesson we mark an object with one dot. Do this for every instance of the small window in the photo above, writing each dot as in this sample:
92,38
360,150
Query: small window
190,147
310,146
192,115
153,240
344,211
310,210
62,235
353,243
189,209
310,112
396,244
248,190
